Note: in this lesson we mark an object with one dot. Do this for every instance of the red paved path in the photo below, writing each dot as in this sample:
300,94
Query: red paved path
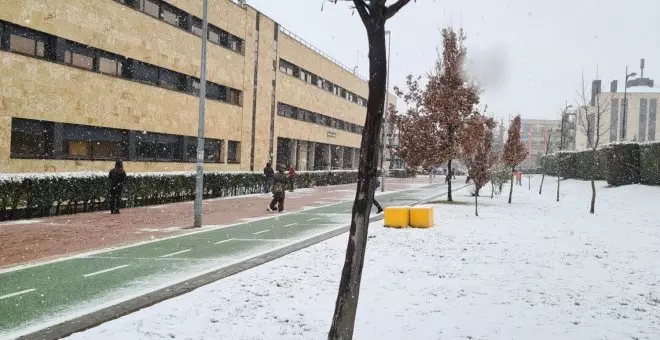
52,237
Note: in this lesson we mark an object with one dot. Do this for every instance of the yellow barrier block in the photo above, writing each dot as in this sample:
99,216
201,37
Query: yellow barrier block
397,217
421,217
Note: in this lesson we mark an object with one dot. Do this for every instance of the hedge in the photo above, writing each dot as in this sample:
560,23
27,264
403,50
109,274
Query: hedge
29,196
401,173
649,169
618,163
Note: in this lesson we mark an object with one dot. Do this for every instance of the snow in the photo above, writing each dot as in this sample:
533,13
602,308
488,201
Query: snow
535,269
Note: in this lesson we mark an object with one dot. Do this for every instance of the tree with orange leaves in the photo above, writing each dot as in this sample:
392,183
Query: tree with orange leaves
514,150
477,145
430,133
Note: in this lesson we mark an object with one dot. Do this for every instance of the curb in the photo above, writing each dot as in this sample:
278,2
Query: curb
116,311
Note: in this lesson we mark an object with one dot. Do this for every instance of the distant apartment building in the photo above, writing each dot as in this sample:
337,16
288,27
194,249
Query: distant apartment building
87,82
534,133
632,119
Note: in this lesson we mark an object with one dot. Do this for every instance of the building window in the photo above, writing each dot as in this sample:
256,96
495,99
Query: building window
150,7
174,16
79,60
213,151
21,41
234,97
110,66
144,72
215,91
31,139
643,107
171,80
196,27
94,143
653,107
158,147
614,119
233,152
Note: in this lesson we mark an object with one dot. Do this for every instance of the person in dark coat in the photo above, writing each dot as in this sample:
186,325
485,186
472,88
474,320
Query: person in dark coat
279,189
268,180
376,186
292,177
117,178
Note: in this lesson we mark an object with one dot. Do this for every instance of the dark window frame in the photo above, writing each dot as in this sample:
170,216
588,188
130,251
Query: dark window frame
237,152
47,133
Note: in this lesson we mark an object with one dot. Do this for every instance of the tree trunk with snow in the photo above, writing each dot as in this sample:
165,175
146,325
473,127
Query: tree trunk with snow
476,203
511,189
449,197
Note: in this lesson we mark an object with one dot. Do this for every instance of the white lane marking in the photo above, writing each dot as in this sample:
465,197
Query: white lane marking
261,232
351,209
227,240
17,293
262,239
176,253
313,218
106,270
288,225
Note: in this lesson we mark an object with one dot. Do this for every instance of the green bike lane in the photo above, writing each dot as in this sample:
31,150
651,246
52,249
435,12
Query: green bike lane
36,295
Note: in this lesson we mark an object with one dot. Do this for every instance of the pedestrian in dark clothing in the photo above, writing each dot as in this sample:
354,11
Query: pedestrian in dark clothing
117,178
292,177
279,186
269,174
377,184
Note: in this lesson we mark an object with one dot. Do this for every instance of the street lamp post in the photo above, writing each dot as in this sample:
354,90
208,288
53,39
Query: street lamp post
199,179
561,144
385,110
624,116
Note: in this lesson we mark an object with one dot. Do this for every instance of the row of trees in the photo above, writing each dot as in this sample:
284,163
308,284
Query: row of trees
443,123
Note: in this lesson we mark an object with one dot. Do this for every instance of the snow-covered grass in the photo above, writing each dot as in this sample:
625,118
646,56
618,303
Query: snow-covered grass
535,269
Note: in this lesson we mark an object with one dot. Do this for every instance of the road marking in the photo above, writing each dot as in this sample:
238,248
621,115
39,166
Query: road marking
176,253
288,225
106,270
227,240
313,218
351,209
17,293
262,239
261,232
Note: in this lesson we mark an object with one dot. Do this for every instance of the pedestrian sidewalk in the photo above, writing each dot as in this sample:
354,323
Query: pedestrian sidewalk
28,241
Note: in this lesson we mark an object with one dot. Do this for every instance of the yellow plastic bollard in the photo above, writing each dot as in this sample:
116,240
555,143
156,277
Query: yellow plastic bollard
421,217
397,217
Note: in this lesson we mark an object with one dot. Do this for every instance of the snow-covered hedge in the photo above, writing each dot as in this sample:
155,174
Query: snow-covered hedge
618,163
401,173
37,195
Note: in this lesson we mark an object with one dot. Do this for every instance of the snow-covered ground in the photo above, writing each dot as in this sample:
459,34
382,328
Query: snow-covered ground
535,269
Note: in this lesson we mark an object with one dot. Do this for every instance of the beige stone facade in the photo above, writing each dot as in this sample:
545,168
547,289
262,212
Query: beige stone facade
534,133
245,117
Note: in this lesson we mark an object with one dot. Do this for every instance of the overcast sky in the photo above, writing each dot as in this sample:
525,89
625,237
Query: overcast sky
530,54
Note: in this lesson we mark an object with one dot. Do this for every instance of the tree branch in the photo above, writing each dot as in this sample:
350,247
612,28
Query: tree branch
394,8
362,9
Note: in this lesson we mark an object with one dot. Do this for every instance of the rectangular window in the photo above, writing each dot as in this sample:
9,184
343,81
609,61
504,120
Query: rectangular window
174,16
234,97
171,80
233,152
213,151
614,119
150,7
215,91
144,72
26,45
79,60
95,143
196,27
110,66
653,107
159,147
643,107
31,139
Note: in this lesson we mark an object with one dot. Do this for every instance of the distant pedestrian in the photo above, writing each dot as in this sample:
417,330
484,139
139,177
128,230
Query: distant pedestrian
431,174
292,177
518,177
376,186
117,178
269,174
278,190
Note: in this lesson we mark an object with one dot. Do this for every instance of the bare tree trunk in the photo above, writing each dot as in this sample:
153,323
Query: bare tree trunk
511,190
529,182
593,197
558,174
542,179
476,203
343,320
449,197
492,189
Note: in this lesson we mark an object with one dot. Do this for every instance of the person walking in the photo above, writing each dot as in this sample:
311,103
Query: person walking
518,177
117,178
292,177
279,186
269,174
376,186
431,174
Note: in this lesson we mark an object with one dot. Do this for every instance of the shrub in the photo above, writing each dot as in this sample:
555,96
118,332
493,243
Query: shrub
649,169
623,164
30,195
401,173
